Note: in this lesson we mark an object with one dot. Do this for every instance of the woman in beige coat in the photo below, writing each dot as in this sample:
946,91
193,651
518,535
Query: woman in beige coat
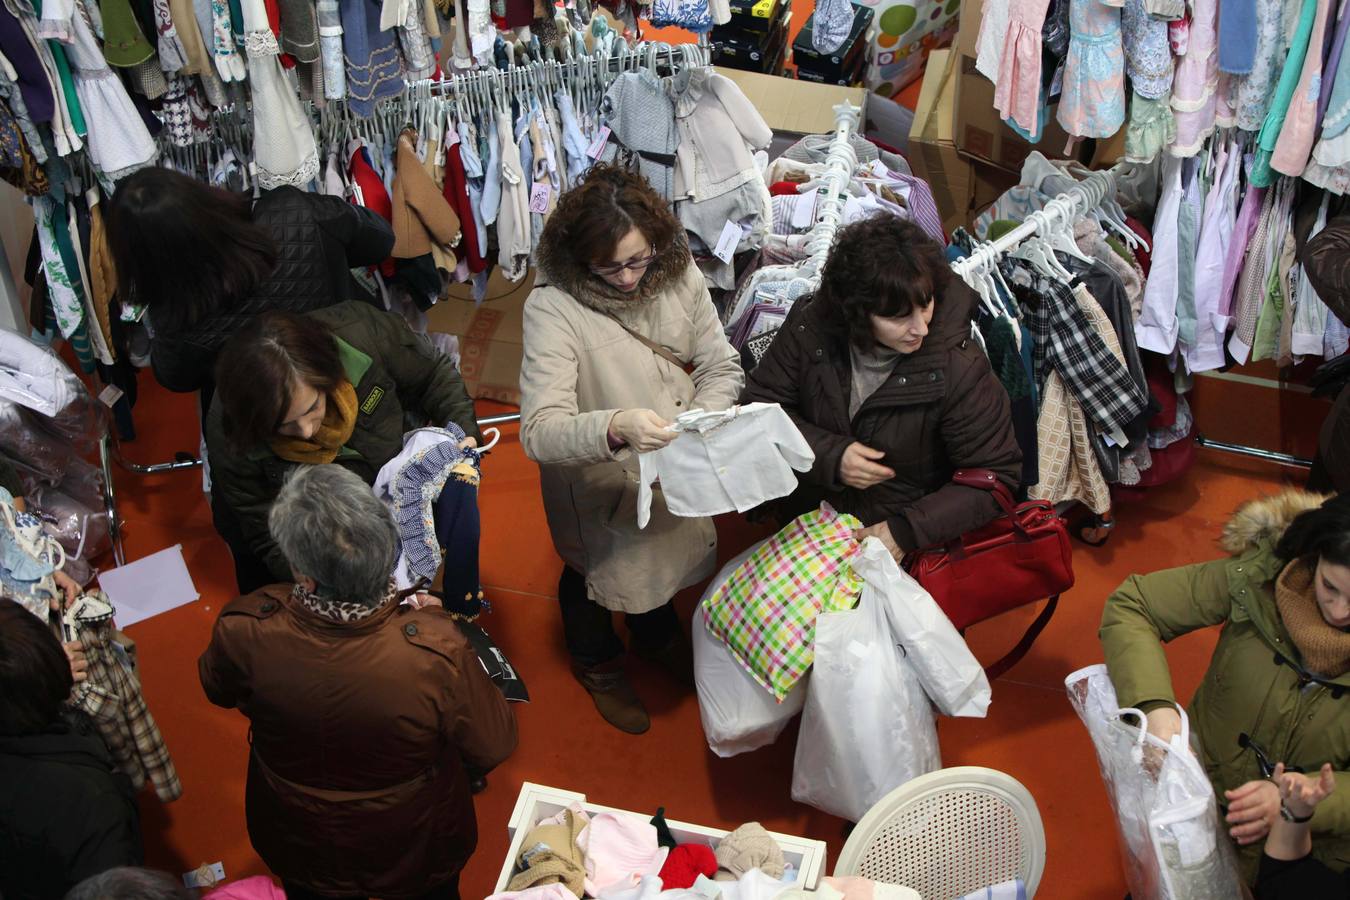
620,338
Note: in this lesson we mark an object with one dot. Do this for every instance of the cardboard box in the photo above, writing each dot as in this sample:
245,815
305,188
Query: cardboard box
932,153
982,134
902,37
967,41
756,15
961,187
754,54
491,342
795,107
845,59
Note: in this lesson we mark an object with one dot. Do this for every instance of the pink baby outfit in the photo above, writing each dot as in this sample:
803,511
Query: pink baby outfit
1295,143
1195,87
1017,92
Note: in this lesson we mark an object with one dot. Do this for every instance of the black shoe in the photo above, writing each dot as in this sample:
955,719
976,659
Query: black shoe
676,659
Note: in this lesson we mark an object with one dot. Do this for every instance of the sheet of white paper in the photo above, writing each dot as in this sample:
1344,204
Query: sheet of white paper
149,586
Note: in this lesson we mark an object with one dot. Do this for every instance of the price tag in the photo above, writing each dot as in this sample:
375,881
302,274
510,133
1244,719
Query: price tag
726,244
597,146
804,212
110,395
540,191
207,876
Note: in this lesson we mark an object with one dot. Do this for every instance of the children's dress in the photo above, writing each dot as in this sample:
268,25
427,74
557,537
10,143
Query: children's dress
1195,86
1017,90
1093,101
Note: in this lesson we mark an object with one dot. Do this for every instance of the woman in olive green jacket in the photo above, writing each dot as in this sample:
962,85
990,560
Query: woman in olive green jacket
335,385
1278,685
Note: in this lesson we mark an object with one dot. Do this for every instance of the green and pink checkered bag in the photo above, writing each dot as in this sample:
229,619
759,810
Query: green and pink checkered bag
766,610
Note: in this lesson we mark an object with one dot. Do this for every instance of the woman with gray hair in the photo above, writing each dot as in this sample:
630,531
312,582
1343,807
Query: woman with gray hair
365,712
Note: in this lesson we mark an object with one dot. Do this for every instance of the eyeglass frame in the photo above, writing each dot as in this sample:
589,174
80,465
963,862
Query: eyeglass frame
612,270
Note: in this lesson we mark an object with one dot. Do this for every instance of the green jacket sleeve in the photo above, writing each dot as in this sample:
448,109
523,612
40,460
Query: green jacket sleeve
1147,611
425,378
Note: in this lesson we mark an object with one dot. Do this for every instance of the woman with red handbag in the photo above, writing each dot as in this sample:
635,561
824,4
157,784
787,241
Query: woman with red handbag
879,372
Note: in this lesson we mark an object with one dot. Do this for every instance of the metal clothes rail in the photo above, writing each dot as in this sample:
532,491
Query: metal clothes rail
1078,200
840,164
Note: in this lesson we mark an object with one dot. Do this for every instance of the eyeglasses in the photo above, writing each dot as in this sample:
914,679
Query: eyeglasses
634,266
1262,760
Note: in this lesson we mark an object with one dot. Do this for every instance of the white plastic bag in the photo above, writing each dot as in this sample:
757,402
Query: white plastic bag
950,673
738,714
1171,840
868,726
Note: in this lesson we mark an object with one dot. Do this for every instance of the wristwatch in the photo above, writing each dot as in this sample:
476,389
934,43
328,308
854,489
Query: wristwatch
1288,815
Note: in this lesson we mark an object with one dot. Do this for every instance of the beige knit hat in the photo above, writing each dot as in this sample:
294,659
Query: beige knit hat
550,856
749,847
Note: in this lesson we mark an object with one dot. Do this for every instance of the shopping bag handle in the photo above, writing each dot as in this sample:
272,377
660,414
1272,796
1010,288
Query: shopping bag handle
1137,751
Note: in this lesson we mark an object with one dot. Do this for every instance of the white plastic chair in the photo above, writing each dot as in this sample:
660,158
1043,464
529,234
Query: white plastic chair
948,833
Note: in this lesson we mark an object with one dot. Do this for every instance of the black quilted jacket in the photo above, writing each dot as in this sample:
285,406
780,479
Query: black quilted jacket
319,239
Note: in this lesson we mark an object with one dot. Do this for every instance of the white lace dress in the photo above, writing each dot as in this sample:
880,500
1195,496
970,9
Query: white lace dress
118,141
283,143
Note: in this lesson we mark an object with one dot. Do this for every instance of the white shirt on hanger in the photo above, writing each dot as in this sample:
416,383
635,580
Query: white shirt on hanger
726,461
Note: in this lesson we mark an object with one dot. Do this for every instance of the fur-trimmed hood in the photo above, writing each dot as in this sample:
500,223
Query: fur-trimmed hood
1265,519
558,268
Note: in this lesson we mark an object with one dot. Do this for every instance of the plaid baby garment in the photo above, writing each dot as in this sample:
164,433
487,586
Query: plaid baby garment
766,611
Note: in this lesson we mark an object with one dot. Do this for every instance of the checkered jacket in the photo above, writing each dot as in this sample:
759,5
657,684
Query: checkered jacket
1065,341
112,698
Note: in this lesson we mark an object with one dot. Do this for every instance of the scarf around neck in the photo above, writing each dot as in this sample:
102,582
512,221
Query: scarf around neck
339,421
1325,649
342,611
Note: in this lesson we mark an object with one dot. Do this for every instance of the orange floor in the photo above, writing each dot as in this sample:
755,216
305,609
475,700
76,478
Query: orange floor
1031,731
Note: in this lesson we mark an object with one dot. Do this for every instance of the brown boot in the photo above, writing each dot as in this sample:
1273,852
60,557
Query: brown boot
676,659
614,697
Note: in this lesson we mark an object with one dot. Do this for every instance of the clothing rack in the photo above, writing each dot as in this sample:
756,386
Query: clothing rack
233,126
1086,195
840,165
1065,208
463,91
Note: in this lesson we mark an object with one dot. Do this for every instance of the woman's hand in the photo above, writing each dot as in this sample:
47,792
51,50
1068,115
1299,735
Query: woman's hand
69,587
1164,722
1252,810
641,429
882,532
468,443
859,469
79,666
1300,793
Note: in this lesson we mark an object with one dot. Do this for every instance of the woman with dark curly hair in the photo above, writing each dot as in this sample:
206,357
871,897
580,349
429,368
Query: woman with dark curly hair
878,371
620,337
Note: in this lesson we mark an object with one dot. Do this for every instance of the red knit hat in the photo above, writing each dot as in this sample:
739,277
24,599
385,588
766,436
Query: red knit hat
685,863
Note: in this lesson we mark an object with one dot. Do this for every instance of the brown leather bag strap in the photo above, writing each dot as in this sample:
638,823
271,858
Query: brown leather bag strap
658,349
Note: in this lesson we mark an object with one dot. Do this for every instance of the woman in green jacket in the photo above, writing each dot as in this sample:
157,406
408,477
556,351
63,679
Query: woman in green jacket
332,386
1278,686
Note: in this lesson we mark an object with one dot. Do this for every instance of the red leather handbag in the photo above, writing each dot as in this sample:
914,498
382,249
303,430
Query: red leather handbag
1022,556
